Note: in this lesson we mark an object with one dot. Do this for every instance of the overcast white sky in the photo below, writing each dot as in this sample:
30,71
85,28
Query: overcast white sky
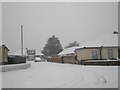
69,22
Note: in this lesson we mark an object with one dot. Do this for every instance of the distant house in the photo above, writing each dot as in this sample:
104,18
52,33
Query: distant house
94,53
31,54
3,54
39,54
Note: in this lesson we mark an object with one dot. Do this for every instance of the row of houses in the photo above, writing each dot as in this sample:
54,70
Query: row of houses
70,55
74,54
111,51
91,50
5,58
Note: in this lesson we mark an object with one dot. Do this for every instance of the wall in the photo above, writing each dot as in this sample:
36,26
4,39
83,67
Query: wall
84,54
54,59
16,59
66,59
102,62
105,53
69,59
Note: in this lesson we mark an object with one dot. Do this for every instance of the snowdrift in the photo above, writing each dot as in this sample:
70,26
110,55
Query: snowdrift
11,67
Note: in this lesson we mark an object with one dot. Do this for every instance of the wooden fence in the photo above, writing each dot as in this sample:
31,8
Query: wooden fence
54,59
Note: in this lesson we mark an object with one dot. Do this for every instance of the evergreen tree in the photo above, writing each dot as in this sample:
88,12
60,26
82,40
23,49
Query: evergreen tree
52,47
72,44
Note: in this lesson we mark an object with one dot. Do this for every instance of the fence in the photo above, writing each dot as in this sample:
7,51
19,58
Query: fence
16,59
102,62
54,59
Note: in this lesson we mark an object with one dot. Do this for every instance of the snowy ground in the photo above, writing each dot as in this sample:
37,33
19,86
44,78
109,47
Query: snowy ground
56,75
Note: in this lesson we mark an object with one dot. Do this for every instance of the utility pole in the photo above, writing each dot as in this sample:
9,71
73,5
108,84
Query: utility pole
101,52
116,32
21,40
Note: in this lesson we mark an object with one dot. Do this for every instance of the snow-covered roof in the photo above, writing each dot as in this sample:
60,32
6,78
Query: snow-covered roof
38,52
68,50
41,53
3,45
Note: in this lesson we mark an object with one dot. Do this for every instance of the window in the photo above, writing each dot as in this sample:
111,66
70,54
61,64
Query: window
94,55
110,53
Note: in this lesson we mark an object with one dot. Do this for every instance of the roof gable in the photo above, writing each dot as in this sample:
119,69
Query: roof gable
4,46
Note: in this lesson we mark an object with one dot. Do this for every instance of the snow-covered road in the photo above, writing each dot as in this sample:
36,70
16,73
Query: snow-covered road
55,75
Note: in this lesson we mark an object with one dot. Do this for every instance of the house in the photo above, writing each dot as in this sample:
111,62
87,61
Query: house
68,55
94,53
3,54
39,54
65,56
31,54
68,51
103,47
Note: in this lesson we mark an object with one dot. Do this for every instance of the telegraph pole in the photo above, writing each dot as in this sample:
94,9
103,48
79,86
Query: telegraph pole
116,32
21,40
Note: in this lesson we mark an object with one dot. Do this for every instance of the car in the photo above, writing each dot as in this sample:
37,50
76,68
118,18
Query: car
38,59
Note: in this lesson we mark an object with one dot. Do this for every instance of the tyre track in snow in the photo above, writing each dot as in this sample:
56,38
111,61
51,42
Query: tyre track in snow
82,76
102,80
88,82
99,80
57,76
71,81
